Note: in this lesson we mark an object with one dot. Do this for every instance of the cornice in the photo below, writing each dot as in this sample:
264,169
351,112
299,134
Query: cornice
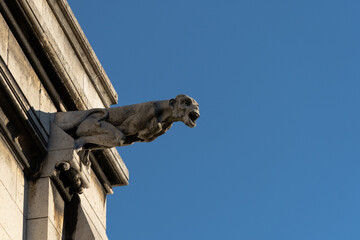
84,51
79,44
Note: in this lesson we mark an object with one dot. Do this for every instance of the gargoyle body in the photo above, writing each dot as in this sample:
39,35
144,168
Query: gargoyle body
119,126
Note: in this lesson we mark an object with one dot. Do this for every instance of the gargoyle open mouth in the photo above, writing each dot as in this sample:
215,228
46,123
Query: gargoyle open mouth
193,116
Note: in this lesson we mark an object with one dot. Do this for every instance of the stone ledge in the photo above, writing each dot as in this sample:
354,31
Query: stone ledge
113,167
78,38
67,46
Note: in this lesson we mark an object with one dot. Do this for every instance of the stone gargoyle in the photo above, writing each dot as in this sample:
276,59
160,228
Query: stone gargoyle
119,126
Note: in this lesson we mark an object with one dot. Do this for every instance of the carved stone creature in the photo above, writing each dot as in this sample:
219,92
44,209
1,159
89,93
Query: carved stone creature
118,126
70,177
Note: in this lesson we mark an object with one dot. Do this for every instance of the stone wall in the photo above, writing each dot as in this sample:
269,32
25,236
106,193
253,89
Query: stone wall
48,66
12,193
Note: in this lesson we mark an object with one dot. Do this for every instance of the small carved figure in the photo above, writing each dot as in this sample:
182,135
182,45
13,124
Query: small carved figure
70,177
119,126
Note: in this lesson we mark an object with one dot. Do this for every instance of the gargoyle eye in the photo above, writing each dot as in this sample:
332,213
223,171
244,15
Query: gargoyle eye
187,102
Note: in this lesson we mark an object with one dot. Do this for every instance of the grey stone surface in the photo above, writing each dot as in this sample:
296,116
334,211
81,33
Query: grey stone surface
46,107
41,229
29,82
86,229
96,197
11,217
72,54
11,175
119,164
20,189
63,160
89,219
3,234
93,199
4,37
90,90
144,122
59,140
23,73
8,169
44,201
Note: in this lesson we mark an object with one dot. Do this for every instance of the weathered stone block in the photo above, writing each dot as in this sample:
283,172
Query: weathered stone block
89,91
62,46
10,214
37,8
85,229
41,229
11,175
8,169
46,107
59,140
92,219
3,234
44,201
7,176
96,197
4,37
23,73
20,188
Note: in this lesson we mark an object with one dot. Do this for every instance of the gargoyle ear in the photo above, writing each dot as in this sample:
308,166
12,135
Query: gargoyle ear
172,102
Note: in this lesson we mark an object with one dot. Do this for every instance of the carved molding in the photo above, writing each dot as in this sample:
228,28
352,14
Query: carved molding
21,105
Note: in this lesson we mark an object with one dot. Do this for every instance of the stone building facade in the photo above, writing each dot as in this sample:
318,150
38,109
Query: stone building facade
48,66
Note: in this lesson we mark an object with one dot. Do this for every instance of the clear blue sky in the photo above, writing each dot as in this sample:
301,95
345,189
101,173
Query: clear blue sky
275,155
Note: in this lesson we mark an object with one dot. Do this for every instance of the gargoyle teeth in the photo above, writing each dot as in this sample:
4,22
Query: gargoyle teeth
194,116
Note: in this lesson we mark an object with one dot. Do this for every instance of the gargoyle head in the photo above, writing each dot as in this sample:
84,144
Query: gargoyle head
185,109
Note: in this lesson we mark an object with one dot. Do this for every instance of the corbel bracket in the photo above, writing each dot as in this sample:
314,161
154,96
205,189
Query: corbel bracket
64,165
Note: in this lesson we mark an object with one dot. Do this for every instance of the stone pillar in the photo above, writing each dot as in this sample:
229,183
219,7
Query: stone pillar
45,211
53,196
